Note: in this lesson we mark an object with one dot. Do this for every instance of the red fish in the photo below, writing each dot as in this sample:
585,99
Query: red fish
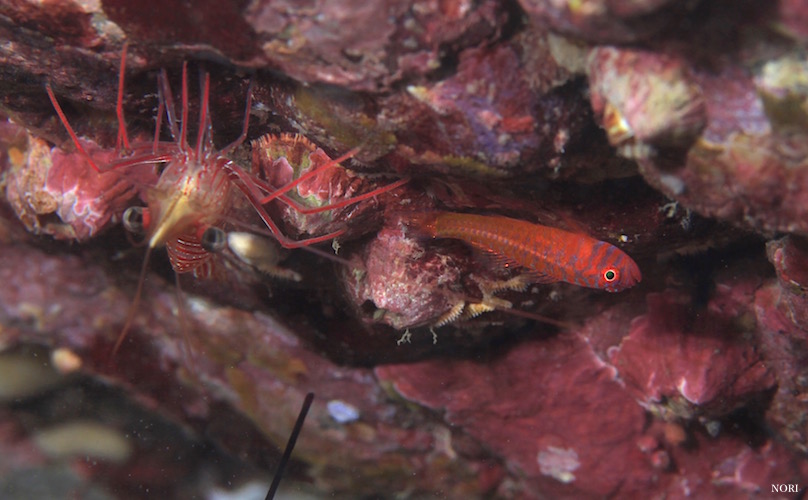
550,254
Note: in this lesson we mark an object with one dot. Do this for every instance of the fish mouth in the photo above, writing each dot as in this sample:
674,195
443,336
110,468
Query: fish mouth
631,277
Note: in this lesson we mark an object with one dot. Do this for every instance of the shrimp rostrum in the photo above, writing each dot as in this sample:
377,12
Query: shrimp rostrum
198,183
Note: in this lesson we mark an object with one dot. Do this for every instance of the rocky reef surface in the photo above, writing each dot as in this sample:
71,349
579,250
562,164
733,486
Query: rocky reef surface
676,131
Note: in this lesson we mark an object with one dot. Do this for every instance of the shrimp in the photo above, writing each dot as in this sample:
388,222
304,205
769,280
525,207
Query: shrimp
549,254
197,184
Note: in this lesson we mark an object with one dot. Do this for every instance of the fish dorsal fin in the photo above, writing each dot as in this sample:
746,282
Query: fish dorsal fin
573,225
560,219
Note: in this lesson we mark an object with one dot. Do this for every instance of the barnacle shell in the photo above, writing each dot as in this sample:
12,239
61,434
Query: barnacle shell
645,97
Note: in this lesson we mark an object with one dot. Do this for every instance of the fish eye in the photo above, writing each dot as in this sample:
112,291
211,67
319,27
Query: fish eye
213,239
136,219
610,275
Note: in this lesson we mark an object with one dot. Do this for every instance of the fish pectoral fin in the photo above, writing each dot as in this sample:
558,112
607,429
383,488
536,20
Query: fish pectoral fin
540,278
494,259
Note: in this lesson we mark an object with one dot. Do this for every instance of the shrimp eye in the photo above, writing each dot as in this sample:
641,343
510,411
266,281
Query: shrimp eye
213,239
610,275
136,219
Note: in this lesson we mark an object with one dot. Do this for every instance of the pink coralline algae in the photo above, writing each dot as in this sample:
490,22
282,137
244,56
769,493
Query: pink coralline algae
604,21
568,417
59,194
354,44
670,361
482,123
752,145
550,437
655,105
675,131
252,365
793,18
782,311
508,109
405,284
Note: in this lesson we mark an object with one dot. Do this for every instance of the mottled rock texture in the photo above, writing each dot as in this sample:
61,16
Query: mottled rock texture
674,130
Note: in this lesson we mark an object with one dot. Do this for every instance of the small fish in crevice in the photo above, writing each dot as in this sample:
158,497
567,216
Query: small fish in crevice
548,254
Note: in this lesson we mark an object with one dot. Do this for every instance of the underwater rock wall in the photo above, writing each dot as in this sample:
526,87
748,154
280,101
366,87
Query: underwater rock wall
674,131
